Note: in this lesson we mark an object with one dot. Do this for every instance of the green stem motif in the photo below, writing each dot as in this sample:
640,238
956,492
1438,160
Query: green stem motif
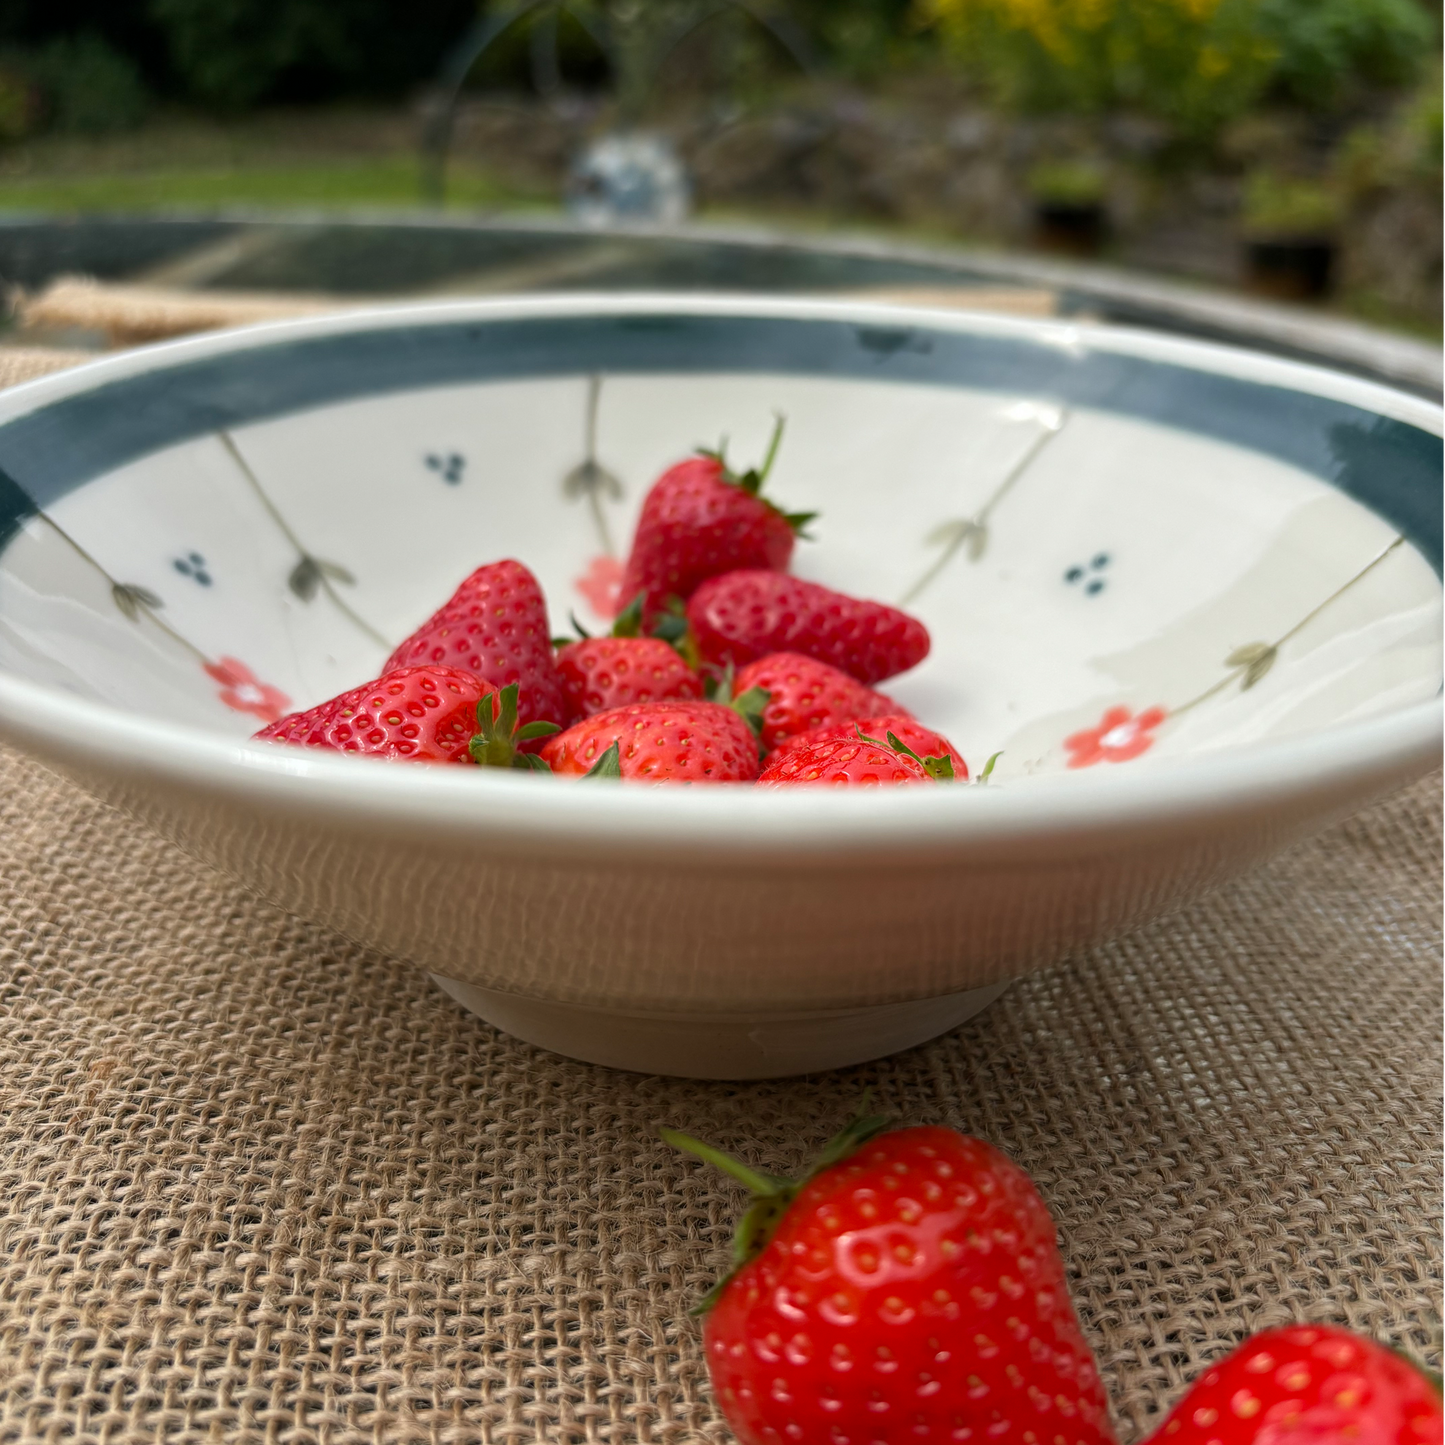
589,478
1250,663
132,601
973,531
310,574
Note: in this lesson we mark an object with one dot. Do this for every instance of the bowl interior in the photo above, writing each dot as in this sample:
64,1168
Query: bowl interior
1123,552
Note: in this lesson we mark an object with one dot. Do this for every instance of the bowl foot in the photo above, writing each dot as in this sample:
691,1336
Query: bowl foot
721,1046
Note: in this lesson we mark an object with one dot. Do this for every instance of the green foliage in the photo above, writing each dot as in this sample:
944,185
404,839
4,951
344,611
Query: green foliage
78,84
1323,47
1287,208
1196,63
860,38
231,53
19,103
1423,128
1070,183
90,87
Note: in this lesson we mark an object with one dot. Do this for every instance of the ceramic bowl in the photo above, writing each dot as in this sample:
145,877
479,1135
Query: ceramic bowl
1190,593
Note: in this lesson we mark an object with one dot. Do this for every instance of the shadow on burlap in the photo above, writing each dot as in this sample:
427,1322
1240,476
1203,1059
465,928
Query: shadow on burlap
257,1183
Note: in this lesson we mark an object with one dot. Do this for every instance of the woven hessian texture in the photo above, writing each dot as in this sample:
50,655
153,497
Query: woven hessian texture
258,1184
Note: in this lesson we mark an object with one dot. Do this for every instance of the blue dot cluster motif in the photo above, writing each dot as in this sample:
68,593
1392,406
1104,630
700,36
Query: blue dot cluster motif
448,466
1089,574
194,566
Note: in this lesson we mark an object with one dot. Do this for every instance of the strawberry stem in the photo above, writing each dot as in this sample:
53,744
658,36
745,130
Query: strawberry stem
779,420
772,1196
765,1186
752,480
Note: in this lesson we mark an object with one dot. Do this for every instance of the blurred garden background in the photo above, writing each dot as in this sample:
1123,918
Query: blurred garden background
1282,147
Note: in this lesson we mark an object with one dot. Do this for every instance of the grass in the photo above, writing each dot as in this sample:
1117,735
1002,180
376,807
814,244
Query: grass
326,158
385,181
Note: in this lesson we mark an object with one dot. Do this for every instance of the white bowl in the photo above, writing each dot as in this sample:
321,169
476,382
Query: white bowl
1190,592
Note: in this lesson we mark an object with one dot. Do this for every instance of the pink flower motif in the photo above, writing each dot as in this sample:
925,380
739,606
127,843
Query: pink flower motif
242,690
600,584
1118,737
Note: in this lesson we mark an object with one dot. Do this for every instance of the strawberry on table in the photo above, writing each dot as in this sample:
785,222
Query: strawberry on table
1307,1385
909,1290
743,616
425,714
922,741
601,673
701,518
805,694
494,626
666,742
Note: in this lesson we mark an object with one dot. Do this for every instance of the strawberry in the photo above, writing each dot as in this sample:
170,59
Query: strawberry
601,673
1307,1385
659,742
701,519
805,694
742,616
921,741
426,714
495,626
909,1290
841,759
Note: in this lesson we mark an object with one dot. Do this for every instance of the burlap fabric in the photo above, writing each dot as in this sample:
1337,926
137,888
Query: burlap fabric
25,363
128,315
258,1184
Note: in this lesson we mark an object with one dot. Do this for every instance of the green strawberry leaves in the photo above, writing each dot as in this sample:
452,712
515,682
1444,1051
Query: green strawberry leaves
753,480
672,628
939,769
609,765
495,743
629,620
750,705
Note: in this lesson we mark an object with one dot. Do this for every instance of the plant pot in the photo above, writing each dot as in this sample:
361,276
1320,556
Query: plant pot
1073,228
1290,268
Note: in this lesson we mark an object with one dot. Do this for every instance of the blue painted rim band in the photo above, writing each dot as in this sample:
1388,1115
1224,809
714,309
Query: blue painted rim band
1390,466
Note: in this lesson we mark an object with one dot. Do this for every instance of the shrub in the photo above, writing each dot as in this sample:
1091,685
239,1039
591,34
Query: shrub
1288,207
83,85
1067,183
231,53
1196,63
20,103
1192,61
1324,47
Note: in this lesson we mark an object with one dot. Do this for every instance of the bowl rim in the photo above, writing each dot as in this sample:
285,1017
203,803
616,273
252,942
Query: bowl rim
694,824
